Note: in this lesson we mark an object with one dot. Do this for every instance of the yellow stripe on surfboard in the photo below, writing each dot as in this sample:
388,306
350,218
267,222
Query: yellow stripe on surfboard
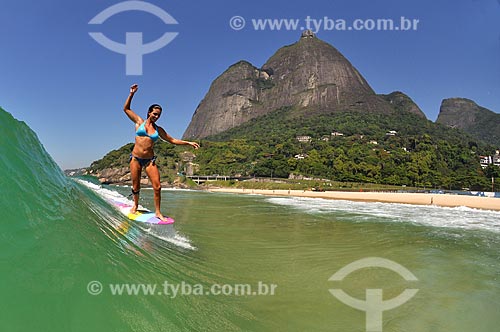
134,216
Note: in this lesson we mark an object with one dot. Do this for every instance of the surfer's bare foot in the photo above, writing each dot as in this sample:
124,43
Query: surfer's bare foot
160,216
133,210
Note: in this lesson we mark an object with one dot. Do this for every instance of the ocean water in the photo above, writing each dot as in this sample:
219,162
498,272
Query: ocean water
65,254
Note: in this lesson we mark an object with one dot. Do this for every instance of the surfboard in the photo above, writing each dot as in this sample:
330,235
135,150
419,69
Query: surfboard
142,215
123,204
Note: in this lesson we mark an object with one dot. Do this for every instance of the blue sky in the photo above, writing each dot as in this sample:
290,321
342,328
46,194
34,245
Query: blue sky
70,90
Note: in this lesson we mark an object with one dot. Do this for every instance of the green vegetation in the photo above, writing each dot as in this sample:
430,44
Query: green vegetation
420,154
486,127
316,185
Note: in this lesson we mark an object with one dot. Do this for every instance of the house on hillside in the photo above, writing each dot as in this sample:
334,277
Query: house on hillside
301,156
485,161
496,158
304,139
391,133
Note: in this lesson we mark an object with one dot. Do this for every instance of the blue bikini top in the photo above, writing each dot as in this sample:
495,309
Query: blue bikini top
141,131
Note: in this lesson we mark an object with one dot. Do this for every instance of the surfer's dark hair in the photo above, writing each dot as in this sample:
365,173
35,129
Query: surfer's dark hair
153,107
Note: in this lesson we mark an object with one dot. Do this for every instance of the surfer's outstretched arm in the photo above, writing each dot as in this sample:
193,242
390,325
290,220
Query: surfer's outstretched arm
126,108
170,139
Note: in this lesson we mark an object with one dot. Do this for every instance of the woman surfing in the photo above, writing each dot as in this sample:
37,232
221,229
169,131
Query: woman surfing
142,156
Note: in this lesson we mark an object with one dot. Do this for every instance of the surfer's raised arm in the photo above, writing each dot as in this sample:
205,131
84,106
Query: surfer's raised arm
126,108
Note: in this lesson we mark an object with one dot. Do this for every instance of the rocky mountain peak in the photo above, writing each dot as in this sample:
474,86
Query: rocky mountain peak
401,101
308,76
458,112
465,114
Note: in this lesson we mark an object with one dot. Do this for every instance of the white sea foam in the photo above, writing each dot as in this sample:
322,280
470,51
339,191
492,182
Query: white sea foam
456,217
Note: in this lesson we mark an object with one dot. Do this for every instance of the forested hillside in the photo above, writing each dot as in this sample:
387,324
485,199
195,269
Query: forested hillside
399,149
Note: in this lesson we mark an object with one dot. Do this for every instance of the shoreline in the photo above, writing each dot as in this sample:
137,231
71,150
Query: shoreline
442,200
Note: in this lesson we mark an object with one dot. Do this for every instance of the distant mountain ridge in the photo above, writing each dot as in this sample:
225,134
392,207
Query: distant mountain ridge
465,114
309,76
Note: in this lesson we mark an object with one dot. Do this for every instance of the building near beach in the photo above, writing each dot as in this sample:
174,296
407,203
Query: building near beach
485,161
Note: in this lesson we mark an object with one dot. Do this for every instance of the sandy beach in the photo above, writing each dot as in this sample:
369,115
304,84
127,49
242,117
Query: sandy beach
486,203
